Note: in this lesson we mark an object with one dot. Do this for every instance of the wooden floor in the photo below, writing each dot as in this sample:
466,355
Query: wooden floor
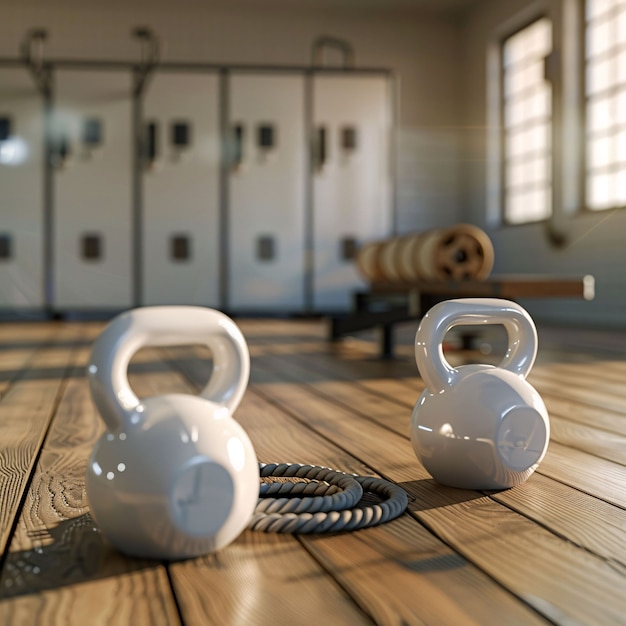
550,551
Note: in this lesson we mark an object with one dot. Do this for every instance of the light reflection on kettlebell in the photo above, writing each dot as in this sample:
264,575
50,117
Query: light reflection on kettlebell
478,426
173,476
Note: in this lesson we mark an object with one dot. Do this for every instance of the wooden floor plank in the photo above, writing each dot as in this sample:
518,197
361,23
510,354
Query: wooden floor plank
404,561
586,397
399,423
383,409
260,578
15,355
600,443
337,428
551,549
586,521
59,567
401,560
511,548
25,413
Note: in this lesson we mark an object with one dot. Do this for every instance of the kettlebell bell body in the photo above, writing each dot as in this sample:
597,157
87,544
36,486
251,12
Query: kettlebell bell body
173,476
478,426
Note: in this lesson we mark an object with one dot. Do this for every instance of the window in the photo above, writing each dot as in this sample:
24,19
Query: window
605,98
527,124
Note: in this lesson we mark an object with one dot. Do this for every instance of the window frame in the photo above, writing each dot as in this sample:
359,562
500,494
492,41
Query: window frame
584,99
521,24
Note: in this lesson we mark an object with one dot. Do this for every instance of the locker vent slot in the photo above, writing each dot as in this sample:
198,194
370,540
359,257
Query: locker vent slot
181,134
6,245
265,248
238,144
92,248
92,132
180,248
152,140
348,138
5,127
349,248
266,136
321,147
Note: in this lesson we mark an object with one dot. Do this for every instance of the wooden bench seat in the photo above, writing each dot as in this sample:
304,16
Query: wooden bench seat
388,303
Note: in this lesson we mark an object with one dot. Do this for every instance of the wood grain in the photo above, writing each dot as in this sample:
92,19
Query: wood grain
25,413
59,569
411,562
260,578
512,549
552,549
587,439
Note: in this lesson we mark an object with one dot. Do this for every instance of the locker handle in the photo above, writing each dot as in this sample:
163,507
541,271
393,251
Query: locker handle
6,246
348,138
60,150
238,138
5,128
325,42
321,156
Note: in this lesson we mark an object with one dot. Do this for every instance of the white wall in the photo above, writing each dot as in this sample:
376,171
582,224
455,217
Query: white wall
595,242
423,49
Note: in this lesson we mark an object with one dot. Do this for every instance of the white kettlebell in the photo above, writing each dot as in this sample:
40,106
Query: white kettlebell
173,476
478,426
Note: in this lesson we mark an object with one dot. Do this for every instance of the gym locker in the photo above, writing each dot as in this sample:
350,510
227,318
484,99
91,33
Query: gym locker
181,182
91,153
21,192
266,192
351,179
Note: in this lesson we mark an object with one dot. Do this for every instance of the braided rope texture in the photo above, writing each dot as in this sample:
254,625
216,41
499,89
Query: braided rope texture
322,501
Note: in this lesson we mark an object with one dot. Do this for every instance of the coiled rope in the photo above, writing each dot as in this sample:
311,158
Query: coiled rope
323,500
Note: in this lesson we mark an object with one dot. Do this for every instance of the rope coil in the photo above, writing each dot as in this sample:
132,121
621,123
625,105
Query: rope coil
331,500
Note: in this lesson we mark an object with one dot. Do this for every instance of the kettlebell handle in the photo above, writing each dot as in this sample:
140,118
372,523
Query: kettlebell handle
437,373
165,326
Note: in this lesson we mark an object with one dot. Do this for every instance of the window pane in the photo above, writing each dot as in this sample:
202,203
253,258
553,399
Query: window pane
600,154
599,75
542,37
620,107
516,208
620,187
620,26
595,8
516,175
527,122
538,170
606,103
600,37
619,72
538,204
620,147
539,104
599,114
599,189
515,143
541,138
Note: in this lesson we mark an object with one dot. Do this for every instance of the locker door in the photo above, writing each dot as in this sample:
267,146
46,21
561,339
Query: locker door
351,186
181,165
266,192
92,154
21,192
